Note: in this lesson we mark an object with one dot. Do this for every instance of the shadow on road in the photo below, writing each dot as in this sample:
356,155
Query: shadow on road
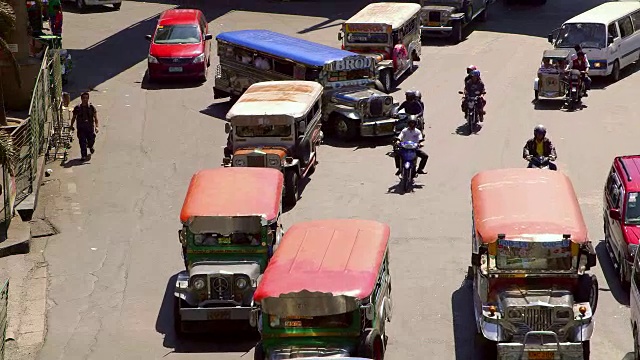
463,130
611,275
97,9
224,341
73,162
218,110
162,84
548,104
464,328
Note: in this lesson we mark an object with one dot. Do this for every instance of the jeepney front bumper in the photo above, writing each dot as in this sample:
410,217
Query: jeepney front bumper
378,127
548,351
307,352
215,313
436,28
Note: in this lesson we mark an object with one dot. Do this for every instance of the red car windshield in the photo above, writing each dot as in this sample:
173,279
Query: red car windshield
177,34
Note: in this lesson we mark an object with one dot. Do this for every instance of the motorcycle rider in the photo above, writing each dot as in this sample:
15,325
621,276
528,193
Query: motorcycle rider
472,86
539,145
412,105
580,62
411,133
470,68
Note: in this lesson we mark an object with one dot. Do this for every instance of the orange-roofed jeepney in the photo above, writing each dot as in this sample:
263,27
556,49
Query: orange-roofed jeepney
230,228
533,297
326,292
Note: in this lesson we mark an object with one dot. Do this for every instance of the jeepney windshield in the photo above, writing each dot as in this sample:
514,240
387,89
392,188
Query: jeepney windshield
350,75
237,238
330,321
632,212
587,35
262,130
527,255
177,34
367,38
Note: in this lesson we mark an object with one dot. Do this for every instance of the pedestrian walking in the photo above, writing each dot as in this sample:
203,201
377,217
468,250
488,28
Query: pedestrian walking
86,115
56,22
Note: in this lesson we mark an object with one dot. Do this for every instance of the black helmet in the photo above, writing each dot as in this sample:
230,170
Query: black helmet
540,129
410,94
412,120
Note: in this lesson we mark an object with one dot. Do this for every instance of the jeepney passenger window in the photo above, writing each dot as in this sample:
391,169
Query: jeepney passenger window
312,74
263,62
243,56
409,28
299,72
285,68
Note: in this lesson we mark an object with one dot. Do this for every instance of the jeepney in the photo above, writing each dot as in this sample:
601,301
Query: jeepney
333,305
276,124
231,227
550,82
533,296
377,29
352,106
447,18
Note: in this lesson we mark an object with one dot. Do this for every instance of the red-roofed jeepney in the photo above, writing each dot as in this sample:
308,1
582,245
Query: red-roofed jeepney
230,230
533,297
326,292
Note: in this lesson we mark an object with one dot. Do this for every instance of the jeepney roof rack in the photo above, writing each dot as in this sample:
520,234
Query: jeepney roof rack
624,167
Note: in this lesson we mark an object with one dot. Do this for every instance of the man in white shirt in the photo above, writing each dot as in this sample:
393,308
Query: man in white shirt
411,133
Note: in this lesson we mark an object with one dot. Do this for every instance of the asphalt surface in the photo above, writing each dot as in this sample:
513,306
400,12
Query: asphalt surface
112,268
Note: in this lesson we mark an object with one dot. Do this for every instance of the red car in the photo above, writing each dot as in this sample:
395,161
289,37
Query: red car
622,214
180,46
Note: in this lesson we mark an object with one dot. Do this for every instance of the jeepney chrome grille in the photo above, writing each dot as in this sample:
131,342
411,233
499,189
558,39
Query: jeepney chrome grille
376,106
221,287
538,319
256,161
175,61
434,16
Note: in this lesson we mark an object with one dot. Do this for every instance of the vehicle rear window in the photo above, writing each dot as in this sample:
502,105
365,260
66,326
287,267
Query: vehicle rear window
177,34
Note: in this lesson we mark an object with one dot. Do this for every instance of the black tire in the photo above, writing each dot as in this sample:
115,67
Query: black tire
177,319
456,32
117,6
536,95
615,73
624,283
291,187
586,350
258,352
371,345
344,128
485,348
470,122
485,13
386,78
406,179
587,291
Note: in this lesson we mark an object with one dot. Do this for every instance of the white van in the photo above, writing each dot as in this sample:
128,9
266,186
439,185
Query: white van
609,34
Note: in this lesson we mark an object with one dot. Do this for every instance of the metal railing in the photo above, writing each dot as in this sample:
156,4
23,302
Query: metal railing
4,321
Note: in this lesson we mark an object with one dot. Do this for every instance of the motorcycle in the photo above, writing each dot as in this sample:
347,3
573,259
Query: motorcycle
540,162
471,113
408,162
574,89
403,119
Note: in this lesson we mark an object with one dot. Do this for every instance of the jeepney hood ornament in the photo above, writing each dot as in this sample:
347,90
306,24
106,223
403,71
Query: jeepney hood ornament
250,269
522,297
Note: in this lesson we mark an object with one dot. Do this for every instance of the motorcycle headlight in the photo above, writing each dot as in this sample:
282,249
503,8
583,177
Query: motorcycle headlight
152,59
198,59
241,283
199,284
239,162
514,314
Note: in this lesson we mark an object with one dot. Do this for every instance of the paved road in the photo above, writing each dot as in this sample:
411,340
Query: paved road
111,268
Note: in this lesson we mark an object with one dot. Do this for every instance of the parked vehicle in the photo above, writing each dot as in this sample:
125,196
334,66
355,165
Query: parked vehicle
609,35
471,113
276,124
447,18
550,82
231,227
335,305
180,46
408,162
533,295
351,105
621,214
377,29
574,96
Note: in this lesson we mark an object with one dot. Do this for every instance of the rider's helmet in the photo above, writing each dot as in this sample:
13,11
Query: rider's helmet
540,129
471,68
475,73
410,95
418,95
413,121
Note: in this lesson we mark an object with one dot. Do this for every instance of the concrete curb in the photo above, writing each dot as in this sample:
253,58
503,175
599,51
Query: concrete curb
18,239
28,206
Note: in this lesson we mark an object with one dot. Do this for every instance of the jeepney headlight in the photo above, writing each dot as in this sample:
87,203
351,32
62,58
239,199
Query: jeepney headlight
198,239
241,283
199,284
514,314
388,101
239,162
361,104
564,314
274,162
152,59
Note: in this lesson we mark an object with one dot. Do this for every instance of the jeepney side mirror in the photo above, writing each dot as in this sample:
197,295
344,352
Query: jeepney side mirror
615,214
550,38
369,312
182,238
148,37
476,259
227,128
610,40
208,37
302,126
340,36
253,318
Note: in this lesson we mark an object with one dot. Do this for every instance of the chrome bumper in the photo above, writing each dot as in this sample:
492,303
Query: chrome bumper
215,314
564,351
383,127
436,28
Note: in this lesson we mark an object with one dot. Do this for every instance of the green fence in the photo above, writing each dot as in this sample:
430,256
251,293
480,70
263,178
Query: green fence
4,304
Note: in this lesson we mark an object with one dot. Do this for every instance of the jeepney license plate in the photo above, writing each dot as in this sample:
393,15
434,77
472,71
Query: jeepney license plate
224,240
387,127
433,23
221,315
541,355
175,69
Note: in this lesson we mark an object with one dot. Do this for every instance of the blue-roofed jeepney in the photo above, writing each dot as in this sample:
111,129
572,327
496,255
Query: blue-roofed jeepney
352,106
